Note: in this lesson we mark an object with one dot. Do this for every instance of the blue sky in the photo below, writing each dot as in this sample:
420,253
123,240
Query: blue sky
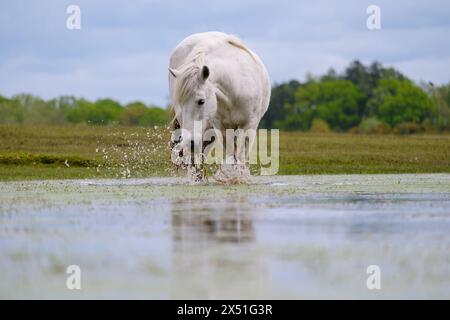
123,47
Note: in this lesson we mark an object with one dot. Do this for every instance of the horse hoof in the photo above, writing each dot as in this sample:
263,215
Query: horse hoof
233,174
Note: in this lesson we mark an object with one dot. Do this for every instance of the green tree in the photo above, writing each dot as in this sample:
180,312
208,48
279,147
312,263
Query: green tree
64,104
441,99
335,102
26,108
8,111
80,111
3,99
281,94
106,111
132,113
155,116
396,101
103,111
299,114
338,104
330,75
137,114
366,79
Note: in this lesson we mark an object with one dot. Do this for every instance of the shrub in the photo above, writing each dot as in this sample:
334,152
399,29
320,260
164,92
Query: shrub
353,130
132,114
408,128
320,126
373,126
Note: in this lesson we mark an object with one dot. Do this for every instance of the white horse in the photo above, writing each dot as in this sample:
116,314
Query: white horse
217,81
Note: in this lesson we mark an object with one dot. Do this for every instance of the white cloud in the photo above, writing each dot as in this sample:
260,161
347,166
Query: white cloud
123,48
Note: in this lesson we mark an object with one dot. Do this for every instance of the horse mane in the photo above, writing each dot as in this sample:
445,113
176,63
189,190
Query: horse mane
235,41
187,77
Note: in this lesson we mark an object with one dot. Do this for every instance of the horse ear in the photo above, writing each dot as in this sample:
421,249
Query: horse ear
205,72
173,72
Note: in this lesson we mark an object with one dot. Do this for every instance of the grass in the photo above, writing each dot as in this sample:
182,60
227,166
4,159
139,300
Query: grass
81,151
350,153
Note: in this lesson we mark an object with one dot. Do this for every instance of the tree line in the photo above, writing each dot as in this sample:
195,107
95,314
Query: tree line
29,109
364,99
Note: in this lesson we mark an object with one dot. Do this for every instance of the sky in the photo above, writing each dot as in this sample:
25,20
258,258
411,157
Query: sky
123,47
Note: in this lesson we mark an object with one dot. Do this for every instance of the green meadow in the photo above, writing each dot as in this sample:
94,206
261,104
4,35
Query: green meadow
87,151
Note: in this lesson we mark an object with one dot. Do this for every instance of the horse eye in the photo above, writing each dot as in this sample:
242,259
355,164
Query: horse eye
201,101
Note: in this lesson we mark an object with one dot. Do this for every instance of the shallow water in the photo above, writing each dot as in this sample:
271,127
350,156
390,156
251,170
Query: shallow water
280,237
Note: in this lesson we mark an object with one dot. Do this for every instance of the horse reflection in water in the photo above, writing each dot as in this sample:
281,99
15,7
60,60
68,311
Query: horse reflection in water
215,254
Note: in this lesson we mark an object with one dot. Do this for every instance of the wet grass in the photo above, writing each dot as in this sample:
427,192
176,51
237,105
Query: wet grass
82,151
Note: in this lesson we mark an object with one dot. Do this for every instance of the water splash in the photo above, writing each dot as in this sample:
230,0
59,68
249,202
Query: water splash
142,152
134,152
233,174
